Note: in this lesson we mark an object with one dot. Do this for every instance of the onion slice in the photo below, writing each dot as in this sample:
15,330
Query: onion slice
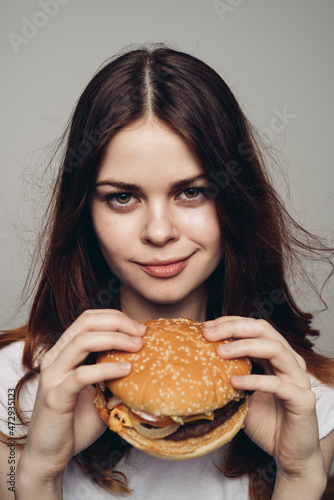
113,402
155,432
156,421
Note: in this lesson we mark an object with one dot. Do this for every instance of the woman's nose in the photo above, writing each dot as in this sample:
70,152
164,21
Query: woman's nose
159,225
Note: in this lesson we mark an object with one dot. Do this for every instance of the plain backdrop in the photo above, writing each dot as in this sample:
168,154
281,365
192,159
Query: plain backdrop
276,55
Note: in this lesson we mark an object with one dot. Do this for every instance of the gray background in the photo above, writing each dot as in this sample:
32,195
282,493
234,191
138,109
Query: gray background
277,56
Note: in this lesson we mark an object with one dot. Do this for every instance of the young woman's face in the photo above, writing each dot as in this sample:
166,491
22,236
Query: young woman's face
157,230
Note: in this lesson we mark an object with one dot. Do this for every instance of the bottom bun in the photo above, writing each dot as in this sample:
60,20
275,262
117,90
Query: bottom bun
192,447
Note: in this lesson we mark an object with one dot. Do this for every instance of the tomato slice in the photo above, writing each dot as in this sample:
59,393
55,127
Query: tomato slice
147,418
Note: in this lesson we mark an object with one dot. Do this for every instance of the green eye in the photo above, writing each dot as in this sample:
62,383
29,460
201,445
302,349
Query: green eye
191,192
123,198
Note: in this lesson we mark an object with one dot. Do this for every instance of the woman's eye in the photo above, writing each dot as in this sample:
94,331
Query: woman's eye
192,192
122,198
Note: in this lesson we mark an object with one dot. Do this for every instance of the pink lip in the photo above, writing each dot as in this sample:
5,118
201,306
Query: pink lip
164,269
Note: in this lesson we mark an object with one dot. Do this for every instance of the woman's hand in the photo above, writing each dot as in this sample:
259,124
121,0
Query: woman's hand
281,418
65,420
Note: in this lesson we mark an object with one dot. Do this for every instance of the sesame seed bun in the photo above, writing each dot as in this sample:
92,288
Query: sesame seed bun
177,374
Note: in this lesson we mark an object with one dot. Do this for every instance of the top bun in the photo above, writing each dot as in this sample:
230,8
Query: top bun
177,372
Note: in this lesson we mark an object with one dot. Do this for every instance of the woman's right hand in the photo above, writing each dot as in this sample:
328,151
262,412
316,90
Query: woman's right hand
65,420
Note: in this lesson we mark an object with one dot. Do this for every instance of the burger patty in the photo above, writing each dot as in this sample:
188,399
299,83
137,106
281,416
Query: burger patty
200,427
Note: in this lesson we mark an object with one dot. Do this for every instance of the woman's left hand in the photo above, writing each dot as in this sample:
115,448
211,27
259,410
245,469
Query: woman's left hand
281,418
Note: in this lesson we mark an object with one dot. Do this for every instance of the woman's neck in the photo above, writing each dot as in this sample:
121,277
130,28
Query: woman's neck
194,307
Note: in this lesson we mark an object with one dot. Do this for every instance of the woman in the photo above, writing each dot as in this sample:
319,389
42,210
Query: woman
163,208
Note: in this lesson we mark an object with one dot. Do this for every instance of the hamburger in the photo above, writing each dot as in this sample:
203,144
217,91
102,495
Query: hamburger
177,403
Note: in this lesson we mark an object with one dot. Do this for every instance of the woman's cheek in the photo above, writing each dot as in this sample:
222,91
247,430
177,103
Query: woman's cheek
205,219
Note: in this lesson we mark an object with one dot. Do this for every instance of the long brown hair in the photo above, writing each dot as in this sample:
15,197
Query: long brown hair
262,243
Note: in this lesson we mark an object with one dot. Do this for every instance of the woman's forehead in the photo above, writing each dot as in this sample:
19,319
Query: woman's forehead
147,148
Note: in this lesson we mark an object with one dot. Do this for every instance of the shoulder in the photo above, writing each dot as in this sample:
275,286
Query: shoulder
11,361
324,406
12,371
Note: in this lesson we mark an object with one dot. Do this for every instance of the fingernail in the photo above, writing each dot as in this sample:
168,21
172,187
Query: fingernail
209,329
136,340
210,322
124,366
141,328
224,347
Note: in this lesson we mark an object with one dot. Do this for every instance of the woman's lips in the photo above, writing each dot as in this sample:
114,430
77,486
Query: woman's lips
165,270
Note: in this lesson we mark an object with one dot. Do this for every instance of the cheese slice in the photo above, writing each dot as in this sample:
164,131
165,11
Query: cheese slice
192,418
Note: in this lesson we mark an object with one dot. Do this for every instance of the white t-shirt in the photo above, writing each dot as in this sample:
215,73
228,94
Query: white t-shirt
150,478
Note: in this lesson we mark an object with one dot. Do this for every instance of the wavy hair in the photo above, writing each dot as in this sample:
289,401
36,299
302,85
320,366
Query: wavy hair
262,242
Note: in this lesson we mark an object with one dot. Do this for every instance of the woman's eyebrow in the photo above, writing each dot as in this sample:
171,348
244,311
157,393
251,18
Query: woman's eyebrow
135,187
185,182
119,184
